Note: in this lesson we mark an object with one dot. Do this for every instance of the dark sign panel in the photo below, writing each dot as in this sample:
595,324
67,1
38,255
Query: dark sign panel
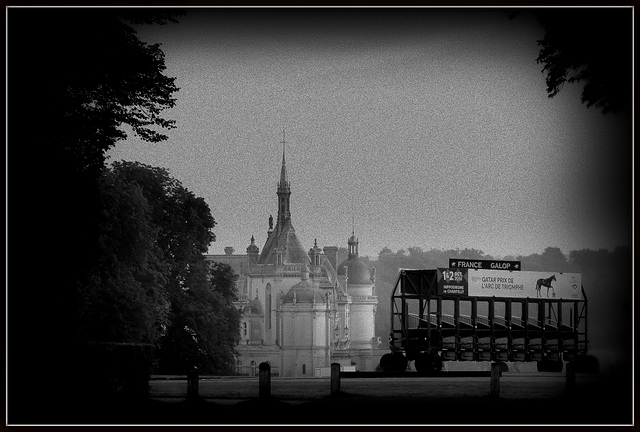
452,281
484,264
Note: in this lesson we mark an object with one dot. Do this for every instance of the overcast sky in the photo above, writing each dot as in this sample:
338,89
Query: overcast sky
430,127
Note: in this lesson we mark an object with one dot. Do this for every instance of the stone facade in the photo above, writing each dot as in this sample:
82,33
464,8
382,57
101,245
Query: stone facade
301,310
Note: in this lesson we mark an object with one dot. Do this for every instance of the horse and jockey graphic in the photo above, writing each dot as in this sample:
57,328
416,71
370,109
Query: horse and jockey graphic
545,283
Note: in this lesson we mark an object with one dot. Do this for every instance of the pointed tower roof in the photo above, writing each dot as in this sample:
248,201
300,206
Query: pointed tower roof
284,179
283,237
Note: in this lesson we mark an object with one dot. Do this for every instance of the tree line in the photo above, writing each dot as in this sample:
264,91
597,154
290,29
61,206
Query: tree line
149,282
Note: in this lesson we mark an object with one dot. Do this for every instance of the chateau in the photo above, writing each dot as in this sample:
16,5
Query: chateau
301,310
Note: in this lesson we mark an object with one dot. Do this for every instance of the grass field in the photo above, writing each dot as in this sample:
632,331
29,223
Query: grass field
524,400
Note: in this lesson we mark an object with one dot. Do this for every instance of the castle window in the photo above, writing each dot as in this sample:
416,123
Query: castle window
317,259
304,369
267,315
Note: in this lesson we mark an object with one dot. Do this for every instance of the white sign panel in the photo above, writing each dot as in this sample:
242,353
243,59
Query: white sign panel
489,283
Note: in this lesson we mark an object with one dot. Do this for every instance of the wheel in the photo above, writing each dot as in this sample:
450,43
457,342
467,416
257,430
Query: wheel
393,362
399,362
550,365
587,364
428,363
503,366
386,362
423,363
436,362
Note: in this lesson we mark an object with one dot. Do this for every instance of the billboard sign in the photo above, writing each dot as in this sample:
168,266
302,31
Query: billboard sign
452,281
484,264
498,283
489,283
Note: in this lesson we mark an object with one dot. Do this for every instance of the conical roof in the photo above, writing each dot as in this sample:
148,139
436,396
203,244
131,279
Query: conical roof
283,237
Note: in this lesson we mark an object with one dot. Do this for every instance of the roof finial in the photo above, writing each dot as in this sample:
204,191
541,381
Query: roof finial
284,179
353,224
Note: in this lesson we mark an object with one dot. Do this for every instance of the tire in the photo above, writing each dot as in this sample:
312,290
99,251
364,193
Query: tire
587,364
437,362
399,362
550,366
386,362
427,363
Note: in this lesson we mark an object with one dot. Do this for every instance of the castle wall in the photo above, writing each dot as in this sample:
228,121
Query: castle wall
304,339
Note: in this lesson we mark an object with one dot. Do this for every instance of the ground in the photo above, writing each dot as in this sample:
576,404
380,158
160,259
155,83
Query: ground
525,399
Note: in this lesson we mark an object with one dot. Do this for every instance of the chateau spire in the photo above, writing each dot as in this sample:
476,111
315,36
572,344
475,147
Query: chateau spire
284,179
284,191
283,145
282,245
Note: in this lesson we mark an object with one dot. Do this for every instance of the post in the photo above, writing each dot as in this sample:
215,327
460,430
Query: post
335,379
264,378
495,380
571,377
192,384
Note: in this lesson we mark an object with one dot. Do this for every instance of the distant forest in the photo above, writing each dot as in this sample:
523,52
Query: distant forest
606,278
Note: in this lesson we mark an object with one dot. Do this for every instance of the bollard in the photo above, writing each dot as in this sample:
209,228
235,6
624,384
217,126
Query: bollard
335,379
264,378
571,377
495,380
192,384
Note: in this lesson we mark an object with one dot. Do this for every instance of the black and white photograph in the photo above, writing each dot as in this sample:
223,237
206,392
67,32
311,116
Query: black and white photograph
320,216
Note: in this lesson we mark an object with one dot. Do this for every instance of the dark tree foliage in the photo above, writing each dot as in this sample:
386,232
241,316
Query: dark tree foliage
79,75
591,46
552,259
125,298
75,78
184,220
203,325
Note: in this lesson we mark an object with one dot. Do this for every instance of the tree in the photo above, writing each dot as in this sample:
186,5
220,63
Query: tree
125,298
204,325
75,78
589,46
81,74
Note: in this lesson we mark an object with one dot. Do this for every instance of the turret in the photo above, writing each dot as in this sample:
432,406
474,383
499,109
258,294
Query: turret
314,253
252,251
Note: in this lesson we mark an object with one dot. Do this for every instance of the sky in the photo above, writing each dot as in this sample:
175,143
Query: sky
415,127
